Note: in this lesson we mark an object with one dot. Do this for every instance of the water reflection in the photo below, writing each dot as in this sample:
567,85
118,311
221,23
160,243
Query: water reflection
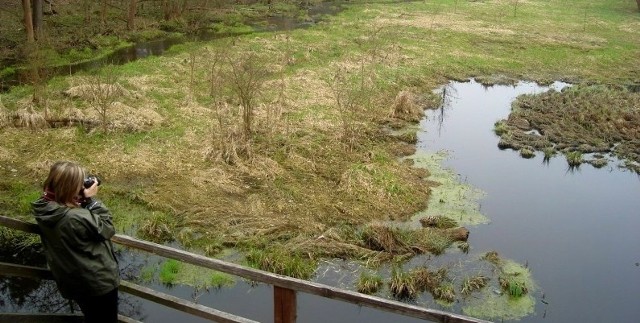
576,228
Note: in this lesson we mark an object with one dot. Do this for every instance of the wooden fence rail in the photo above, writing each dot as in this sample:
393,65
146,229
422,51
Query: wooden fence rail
284,287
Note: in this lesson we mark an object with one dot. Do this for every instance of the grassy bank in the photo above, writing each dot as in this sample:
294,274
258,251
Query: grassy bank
316,162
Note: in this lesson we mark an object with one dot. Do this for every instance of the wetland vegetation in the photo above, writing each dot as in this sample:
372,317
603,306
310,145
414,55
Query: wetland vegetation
297,145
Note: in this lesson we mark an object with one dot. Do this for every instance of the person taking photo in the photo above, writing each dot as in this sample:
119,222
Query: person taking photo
76,229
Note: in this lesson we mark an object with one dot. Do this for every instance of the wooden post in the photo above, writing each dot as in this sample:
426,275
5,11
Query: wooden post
284,305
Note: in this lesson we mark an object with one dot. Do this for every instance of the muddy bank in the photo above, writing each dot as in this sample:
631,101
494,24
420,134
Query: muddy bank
591,124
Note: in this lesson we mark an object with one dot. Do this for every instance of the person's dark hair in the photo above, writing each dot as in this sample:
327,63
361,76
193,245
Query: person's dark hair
65,182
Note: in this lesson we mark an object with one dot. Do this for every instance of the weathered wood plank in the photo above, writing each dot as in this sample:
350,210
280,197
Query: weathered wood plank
181,304
52,318
125,319
39,318
7,269
19,225
284,305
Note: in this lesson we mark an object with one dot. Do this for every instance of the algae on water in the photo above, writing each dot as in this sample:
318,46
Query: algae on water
494,304
453,199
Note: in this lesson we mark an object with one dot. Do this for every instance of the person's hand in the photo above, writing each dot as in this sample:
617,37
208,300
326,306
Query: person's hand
91,191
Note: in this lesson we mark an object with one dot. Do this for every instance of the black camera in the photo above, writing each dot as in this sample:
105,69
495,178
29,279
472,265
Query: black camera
89,180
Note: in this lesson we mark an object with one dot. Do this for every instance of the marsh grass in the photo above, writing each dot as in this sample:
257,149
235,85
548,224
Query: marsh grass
473,283
158,228
169,271
513,286
574,158
527,153
220,280
369,283
401,284
579,120
281,262
439,221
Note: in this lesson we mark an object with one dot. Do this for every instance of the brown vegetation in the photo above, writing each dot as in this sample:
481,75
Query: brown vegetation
582,119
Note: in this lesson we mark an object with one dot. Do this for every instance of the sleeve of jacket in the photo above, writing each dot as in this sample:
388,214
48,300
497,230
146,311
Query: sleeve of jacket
100,222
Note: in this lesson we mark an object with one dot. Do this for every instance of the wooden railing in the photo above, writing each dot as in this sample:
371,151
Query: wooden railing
285,288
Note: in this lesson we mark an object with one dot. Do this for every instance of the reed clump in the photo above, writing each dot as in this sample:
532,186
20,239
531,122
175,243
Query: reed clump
369,283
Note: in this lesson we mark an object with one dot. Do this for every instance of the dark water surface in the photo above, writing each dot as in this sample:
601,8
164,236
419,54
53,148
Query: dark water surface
577,230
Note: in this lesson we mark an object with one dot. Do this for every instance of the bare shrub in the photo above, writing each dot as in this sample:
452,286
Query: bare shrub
247,76
102,91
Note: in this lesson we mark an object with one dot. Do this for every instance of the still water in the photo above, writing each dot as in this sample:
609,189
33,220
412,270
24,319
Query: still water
576,230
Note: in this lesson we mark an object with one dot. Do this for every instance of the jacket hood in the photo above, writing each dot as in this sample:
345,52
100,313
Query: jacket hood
48,213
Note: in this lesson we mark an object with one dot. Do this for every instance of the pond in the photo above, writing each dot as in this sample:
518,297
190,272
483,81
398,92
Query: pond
576,229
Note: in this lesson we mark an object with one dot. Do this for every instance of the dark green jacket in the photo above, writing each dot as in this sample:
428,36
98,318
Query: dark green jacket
77,247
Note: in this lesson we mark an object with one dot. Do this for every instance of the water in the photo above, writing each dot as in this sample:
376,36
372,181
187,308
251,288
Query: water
577,230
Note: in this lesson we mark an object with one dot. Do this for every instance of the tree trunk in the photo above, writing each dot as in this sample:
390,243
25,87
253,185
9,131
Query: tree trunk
28,20
131,19
638,2
37,18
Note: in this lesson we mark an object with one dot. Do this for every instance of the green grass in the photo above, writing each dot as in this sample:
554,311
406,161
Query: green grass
169,271
220,280
281,262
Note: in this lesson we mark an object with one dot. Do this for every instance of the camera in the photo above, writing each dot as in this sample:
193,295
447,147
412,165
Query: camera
89,180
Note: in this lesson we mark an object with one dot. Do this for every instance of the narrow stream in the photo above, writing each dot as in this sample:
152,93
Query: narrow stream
576,230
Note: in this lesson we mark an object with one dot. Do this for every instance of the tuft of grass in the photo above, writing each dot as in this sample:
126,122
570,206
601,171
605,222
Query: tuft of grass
439,221
281,262
402,285
492,257
512,285
470,284
527,153
445,292
574,158
169,271
548,152
219,279
435,241
500,128
383,238
157,228
368,283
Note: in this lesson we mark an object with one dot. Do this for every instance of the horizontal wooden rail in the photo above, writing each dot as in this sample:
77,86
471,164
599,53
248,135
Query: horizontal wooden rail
273,279
181,304
52,318
7,269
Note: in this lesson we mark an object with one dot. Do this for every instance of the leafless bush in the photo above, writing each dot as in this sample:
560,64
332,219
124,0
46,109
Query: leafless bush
247,77
102,91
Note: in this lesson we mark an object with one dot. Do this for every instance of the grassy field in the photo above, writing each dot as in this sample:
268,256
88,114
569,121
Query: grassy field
318,163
